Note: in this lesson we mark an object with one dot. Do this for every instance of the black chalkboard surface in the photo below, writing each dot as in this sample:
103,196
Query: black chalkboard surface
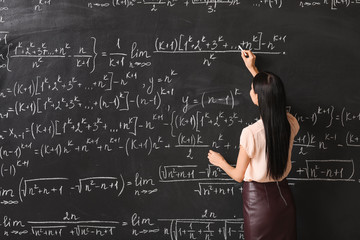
108,110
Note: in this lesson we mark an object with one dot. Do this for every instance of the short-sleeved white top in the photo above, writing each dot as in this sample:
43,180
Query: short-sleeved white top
253,140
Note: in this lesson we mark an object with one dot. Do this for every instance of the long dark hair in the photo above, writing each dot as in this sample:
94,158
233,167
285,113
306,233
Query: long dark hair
272,107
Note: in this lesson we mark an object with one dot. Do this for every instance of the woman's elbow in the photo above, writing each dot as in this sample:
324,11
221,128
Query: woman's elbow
239,179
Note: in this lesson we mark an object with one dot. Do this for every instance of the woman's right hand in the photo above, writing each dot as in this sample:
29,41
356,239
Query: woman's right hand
249,61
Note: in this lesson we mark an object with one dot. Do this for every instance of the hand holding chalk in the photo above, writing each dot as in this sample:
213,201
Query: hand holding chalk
242,52
249,60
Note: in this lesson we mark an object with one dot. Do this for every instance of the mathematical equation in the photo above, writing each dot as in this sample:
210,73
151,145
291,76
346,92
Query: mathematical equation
105,186
105,131
88,57
208,227
333,4
40,6
177,125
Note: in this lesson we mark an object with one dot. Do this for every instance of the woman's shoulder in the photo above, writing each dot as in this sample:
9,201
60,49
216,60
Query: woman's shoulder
253,130
294,124
256,126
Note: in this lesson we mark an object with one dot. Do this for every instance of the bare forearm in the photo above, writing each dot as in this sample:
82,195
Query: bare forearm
231,171
236,173
249,60
253,71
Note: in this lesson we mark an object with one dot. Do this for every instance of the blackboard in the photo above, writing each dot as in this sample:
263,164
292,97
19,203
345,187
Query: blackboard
109,107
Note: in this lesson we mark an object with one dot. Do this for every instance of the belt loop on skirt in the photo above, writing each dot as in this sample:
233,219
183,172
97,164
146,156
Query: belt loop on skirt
277,184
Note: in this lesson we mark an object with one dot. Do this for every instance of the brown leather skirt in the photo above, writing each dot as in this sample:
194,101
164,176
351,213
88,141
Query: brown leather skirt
269,211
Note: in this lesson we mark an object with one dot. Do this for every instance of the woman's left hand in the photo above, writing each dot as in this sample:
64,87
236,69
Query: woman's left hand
215,158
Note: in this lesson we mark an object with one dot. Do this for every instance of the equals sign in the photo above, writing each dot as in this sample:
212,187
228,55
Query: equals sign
125,224
104,54
195,101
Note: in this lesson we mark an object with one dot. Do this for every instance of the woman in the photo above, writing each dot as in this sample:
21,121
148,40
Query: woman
264,161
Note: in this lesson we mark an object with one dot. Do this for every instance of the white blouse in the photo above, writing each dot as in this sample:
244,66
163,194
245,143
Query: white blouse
253,140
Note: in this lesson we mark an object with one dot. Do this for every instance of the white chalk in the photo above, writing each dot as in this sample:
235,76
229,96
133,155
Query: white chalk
243,50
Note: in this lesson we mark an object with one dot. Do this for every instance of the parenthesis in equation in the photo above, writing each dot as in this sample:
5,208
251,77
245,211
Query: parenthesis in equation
7,57
127,146
95,54
150,148
41,150
202,100
353,169
12,170
15,85
16,107
156,44
32,130
176,119
58,150
308,136
271,6
233,101
193,122
314,118
331,116
24,191
18,152
137,101
117,102
179,137
100,102
173,229
172,124
1,156
113,3
342,117
34,88
33,107
123,185
176,45
160,172
158,95
346,138
2,170
53,129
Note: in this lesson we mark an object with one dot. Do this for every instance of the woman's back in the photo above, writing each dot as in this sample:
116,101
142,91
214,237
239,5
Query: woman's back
254,142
